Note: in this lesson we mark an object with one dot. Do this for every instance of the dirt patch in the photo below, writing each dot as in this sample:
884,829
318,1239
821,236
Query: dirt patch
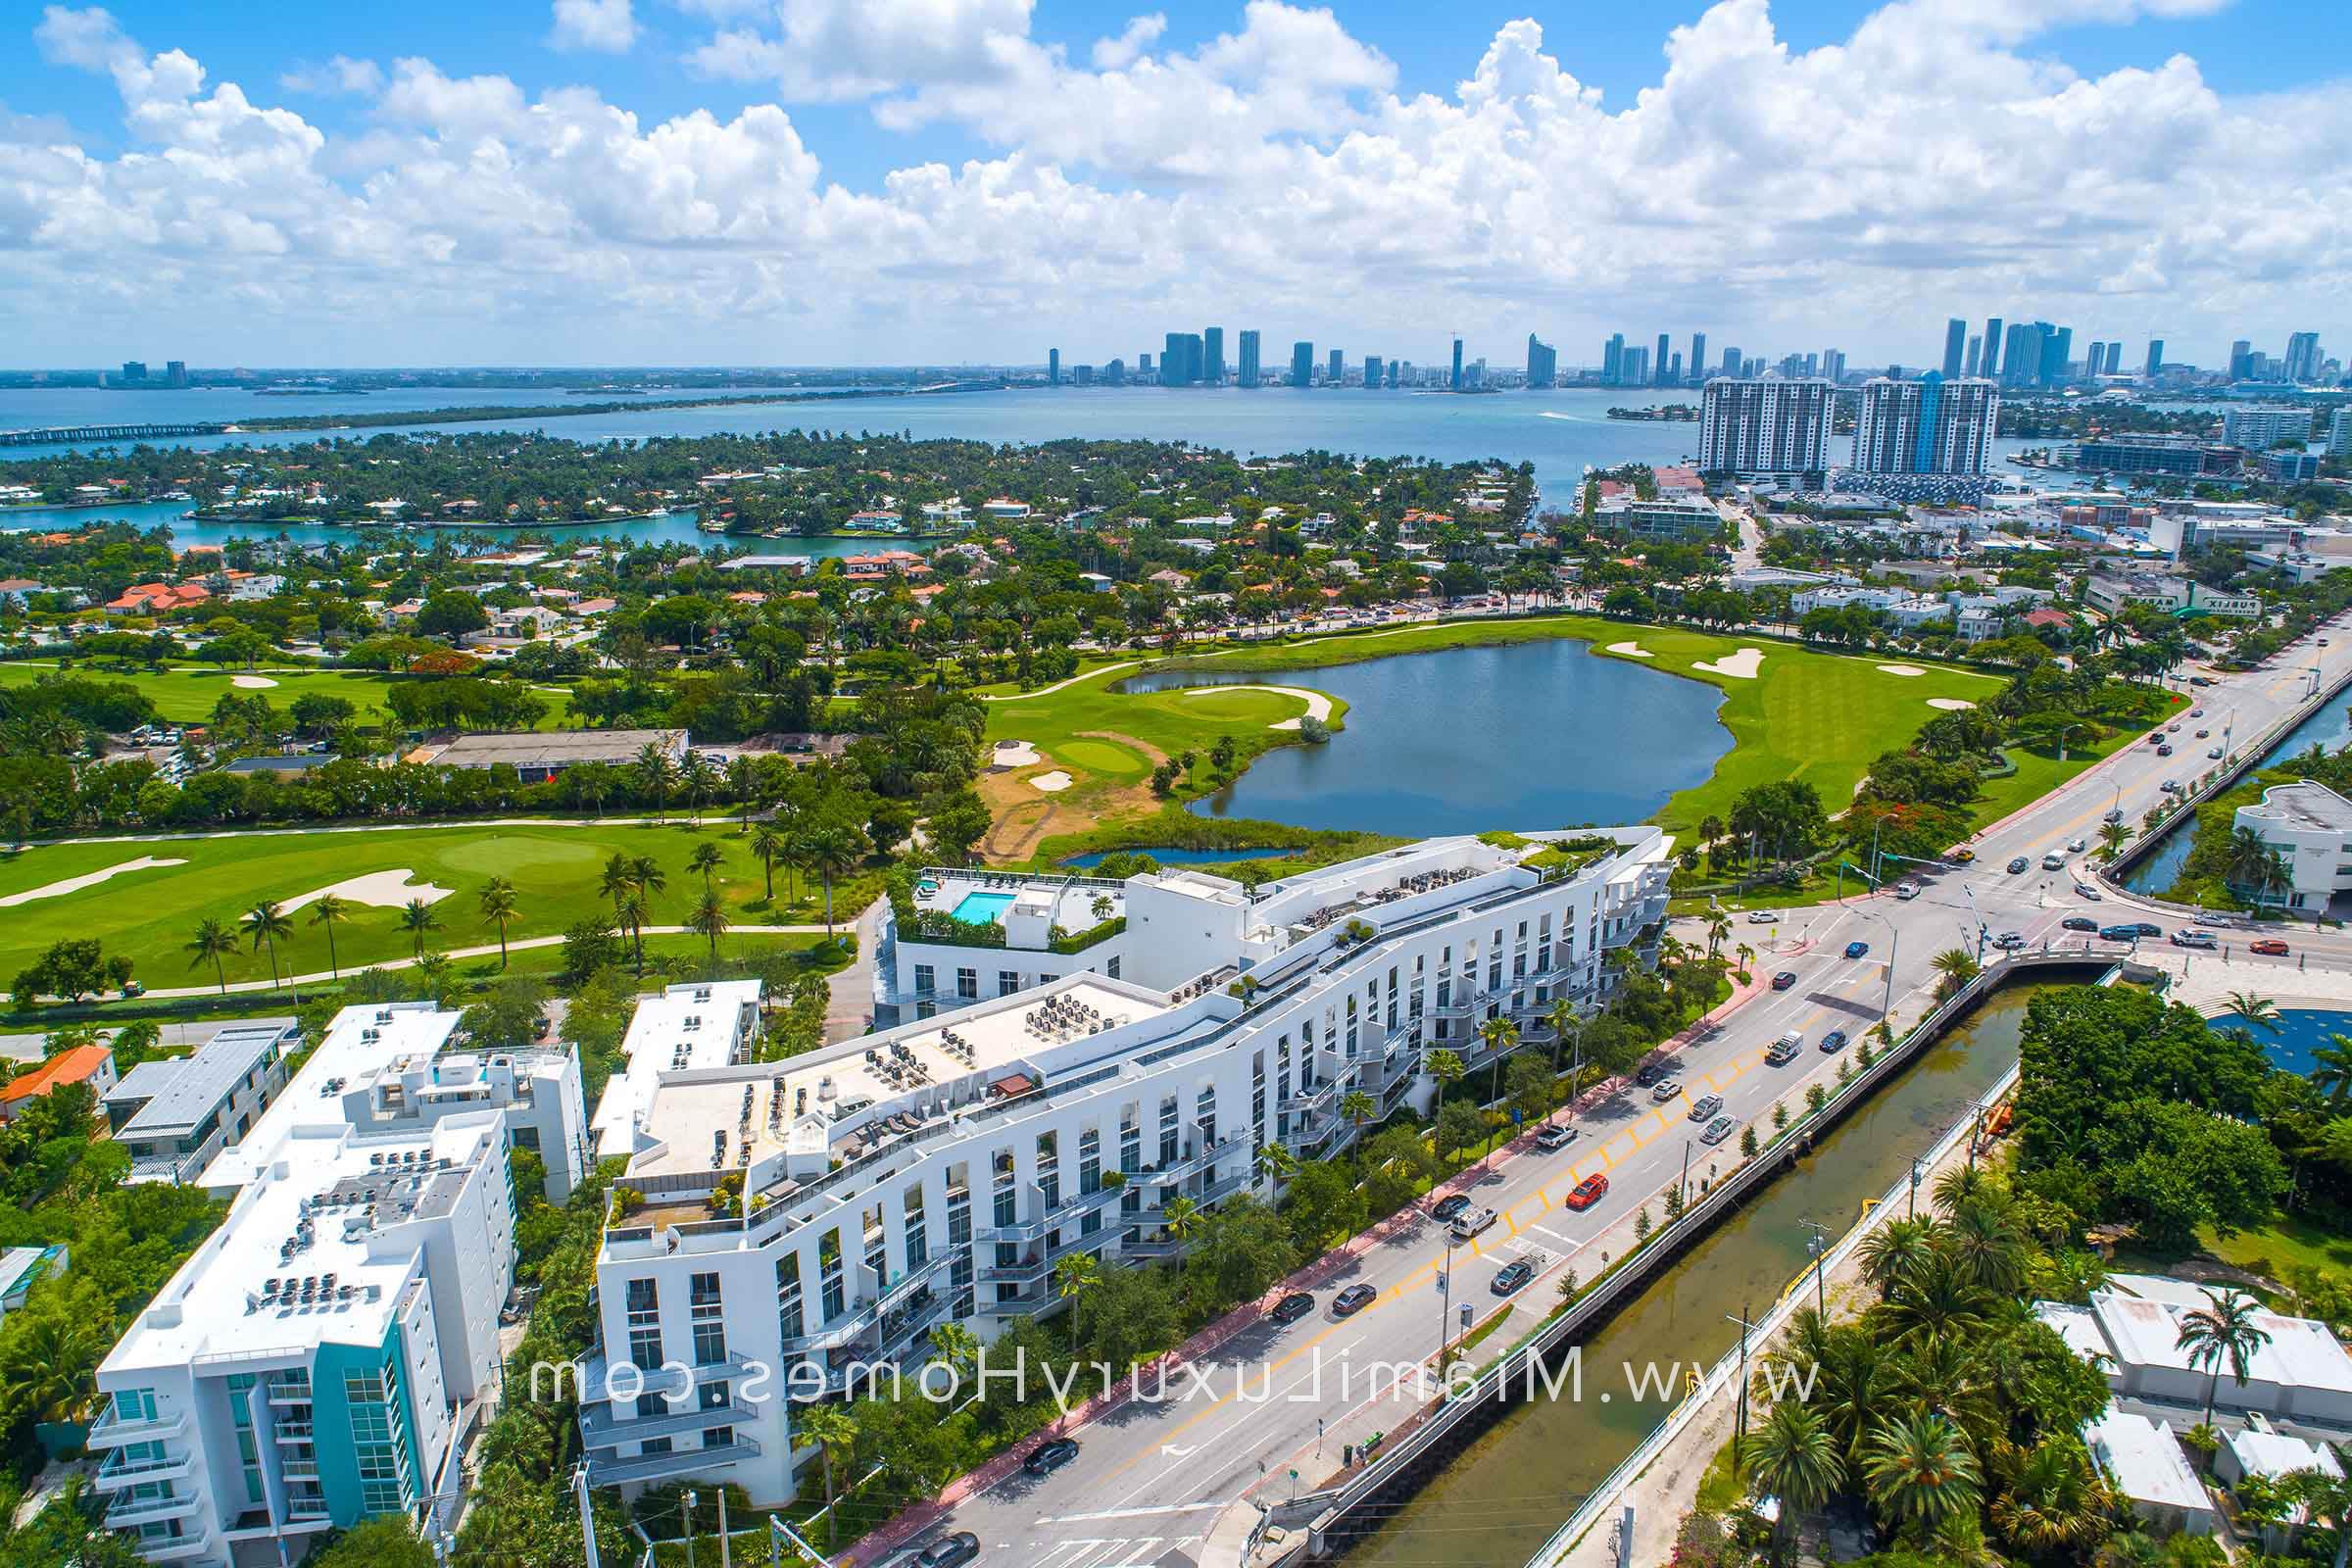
1019,820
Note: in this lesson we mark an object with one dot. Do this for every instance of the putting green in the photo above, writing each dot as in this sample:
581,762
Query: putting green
1102,756
1226,706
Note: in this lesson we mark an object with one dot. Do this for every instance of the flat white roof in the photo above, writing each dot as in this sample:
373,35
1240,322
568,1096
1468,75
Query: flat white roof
684,1027
2146,1460
360,1045
180,1091
788,1106
326,1209
2276,1453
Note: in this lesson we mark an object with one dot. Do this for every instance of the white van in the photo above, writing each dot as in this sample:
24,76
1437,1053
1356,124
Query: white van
2053,861
1471,1222
1787,1048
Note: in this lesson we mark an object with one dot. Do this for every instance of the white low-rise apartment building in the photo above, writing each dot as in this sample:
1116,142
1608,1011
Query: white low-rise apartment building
706,1024
2131,1331
2310,826
940,1169
175,1113
320,1357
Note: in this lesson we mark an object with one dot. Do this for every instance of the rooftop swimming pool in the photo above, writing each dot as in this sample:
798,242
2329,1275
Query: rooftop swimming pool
983,908
2295,1040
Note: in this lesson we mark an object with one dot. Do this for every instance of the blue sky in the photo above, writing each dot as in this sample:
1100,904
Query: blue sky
773,176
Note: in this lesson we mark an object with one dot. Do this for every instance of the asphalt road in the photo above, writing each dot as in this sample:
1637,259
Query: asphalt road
1152,1477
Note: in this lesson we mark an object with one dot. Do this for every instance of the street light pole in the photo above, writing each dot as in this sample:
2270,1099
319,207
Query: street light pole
1446,1302
1739,1430
688,1501
1914,1210
1819,1247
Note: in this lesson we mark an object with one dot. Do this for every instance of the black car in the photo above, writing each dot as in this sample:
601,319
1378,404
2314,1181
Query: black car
2149,928
1650,1073
1512,1277
2016,866
1292,1307
2079,922
1445,1208
950,1552
1354,1300
1834,1040
1784,980
1051,1456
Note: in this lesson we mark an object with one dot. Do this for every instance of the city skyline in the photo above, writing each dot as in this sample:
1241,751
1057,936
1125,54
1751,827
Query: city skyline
893,184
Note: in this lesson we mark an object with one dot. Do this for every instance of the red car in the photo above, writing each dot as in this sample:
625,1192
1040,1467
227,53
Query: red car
1588,1192
2269,947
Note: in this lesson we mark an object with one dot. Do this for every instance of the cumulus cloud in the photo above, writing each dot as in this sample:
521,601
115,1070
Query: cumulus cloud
607,27
1934,162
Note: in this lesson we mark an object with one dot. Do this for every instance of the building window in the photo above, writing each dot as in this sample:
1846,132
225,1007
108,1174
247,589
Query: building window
708,1317
968,984
789,1320
645,1323
1111,968
1008,982
926,979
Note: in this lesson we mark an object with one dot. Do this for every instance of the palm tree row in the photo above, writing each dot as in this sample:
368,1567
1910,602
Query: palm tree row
267,923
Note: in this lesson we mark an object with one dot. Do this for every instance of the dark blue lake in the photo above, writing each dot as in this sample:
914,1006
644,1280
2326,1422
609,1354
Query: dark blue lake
1524,735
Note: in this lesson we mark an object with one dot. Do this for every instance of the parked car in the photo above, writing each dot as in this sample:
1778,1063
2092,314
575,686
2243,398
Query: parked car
1292,1307
1354,1300
1667,1089
1963,855
2268,947
1474,1223
1857,949
1832,1043
1445,1208
1784,980
950,1552
2018,864
1587,1191
1512,1275
1649,1073
2195,939
1052,1456
1717,1130
2079,922
1705,1106
1552,1137
1784,1050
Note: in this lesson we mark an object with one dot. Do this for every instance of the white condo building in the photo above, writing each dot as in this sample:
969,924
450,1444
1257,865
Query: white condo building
1766,426
1928,426
320,1357
2310,826
1051,1104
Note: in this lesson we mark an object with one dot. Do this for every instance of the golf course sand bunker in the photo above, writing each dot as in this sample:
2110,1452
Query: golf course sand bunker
1631,650
75,884
1318,706
385,890
1901,669
1742,665
1014,754
1950,705
252,683
1051,783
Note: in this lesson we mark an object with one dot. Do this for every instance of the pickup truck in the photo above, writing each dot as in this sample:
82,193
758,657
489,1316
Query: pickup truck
2195,939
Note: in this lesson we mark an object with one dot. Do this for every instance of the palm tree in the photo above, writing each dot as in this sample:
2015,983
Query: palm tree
2055,1499
1557,1018
416,918
1794,1456
1359,1107
707,858
1500,1036
1719,930
955,1346
213,941
51,1363
1277,1163
1955,967
830,1428
709,921
330,911
2113,835
1746,955
1180,1218
700,779
1896,1254
2332,1071
266,922
1075,1277
767,846
832,851
629,908
1920,1472
2226,1331
432,973
499,904
2254,1012
1985,1248
656,772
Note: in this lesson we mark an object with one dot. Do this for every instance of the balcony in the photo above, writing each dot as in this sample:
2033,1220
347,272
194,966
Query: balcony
1310,1099
1198,1159
856,1320
1061,1215
294,1431
601,1429
112,1430
1164,1247
606,1470
165,1549
119,1471
598,1372
126,1512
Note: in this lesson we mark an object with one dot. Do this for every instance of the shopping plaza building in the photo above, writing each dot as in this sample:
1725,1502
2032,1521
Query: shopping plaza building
1084,1059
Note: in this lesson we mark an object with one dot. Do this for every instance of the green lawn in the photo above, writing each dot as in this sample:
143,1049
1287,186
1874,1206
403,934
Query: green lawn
188,695
149,914
2286,1242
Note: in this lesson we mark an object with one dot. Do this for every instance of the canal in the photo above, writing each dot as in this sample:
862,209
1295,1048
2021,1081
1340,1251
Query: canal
1523,735
2329,728
1502,1499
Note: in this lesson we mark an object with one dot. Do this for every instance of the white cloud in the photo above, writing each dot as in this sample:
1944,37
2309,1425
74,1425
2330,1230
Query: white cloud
607,27
1936,162
340,75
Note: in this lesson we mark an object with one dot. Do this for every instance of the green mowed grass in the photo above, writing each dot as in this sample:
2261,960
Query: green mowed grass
149,914
1072,726
188,696
1104,757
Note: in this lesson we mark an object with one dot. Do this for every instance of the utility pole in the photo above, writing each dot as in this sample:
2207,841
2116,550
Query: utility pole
1819,1247
579,1487
778,1533
1444,1301
1739,1433
687,1512
726,1557
1683,1189
1914,1211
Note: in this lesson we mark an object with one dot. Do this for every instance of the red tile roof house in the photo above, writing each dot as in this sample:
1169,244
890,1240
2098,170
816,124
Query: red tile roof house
157,599
90,1064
